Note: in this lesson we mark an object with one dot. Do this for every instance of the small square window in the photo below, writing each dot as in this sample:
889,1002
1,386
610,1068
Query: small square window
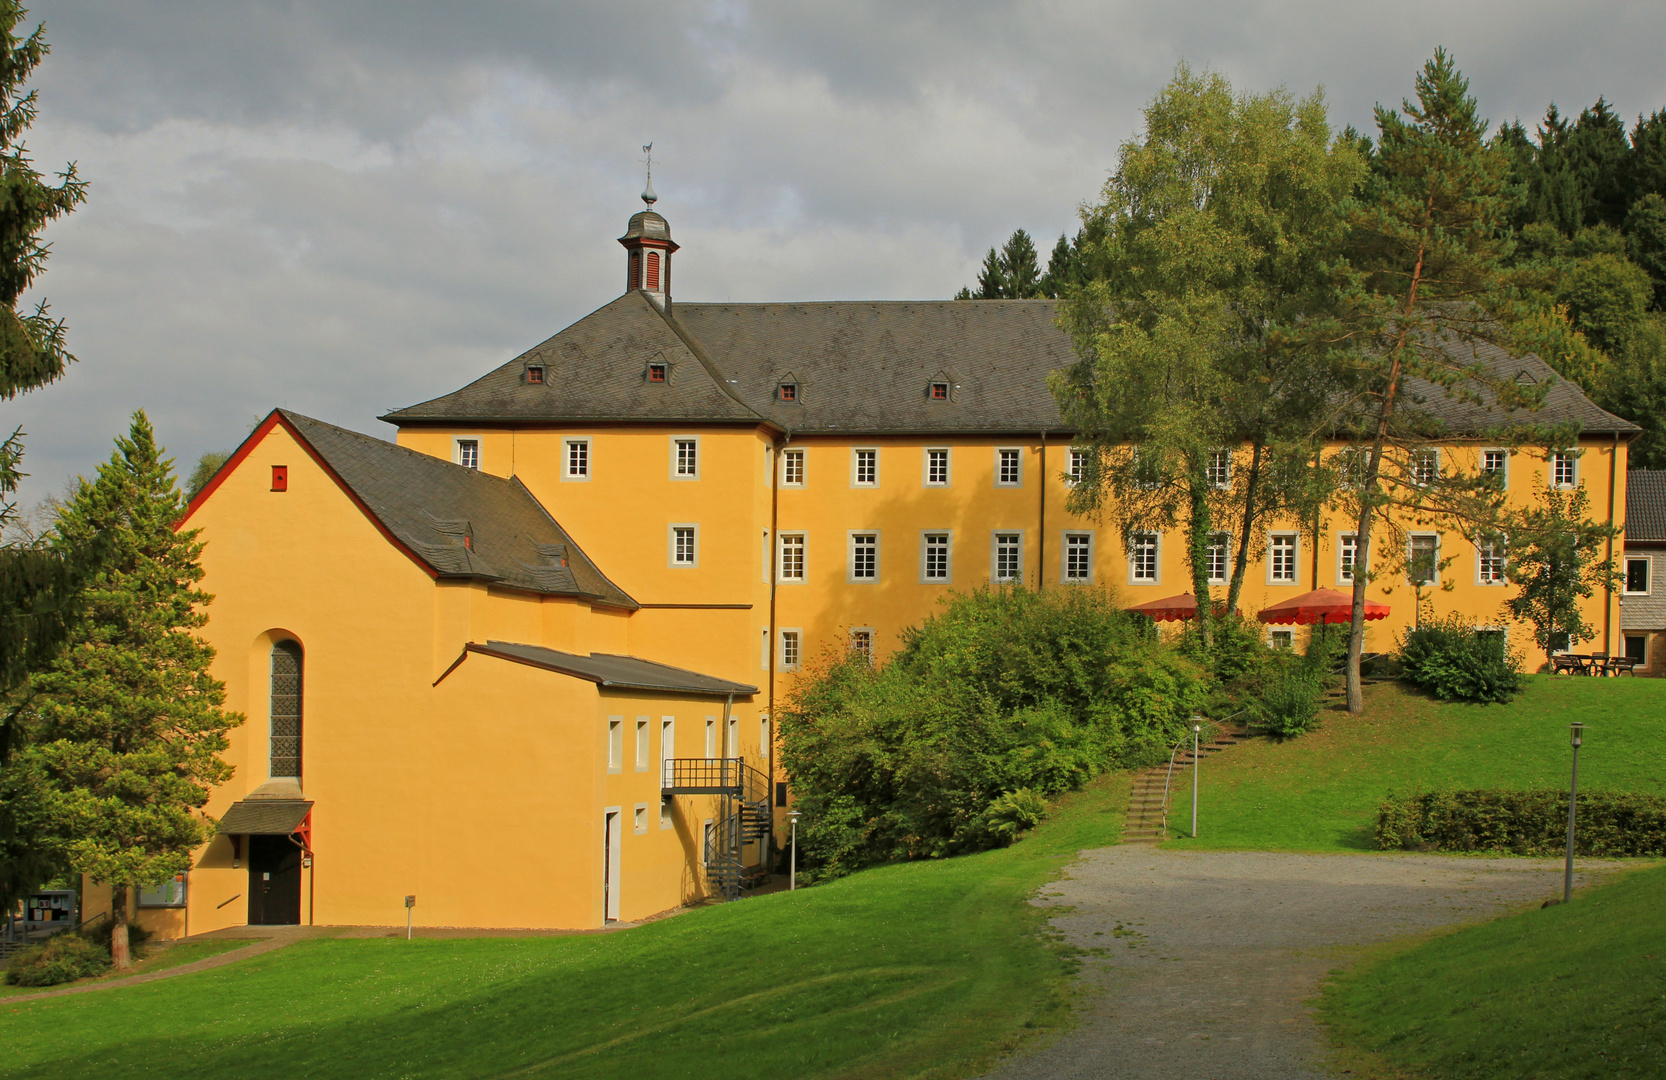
1008,468
656,372
1563,469
939,391
468,453
1494,461
640,818
535,375
1281,639
788,391
861,642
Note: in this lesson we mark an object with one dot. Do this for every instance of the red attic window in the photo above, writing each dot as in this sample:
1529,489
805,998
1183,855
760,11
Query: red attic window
939,391
535,375
789,391
280,478
656,372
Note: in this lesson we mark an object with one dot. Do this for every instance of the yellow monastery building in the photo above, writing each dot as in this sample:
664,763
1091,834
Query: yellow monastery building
534,688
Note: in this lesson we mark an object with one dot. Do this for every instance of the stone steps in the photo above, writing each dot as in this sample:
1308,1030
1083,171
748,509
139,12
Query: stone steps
1144,822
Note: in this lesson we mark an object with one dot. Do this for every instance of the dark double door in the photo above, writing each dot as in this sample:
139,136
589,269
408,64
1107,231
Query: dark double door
274,881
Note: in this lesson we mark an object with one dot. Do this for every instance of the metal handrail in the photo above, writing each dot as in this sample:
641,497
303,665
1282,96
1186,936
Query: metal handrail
716,776
1216,724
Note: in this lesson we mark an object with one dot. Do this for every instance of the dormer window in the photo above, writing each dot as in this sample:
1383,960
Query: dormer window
535,375
656,372
788,391
939,391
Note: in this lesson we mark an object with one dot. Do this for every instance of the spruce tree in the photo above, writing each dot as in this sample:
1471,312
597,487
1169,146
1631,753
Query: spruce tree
127,726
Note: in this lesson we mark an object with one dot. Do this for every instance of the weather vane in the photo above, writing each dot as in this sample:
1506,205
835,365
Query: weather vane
648,195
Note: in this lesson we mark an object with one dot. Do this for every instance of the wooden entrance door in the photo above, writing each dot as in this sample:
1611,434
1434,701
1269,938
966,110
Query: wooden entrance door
274,881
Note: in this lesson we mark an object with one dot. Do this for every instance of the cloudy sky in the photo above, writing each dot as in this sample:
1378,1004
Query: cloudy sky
343,207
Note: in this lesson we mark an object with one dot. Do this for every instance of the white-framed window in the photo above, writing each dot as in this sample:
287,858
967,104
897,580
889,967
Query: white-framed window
1142,558
615,744
685,545
864,557
936,557
937,466
792,468
1423,559
861,642
1281,558
170,893
1281,639
792,556
465,451
639,819
1009,466
1078,556
685,457
1564,469
575,459
711,738
792,643
1495,461
667,744
1425,467
1637,576
642,739
731,738
1006,556
1347,557
1219,556
1219,470
1078,468
705,839
1351,466
864,467
1489,562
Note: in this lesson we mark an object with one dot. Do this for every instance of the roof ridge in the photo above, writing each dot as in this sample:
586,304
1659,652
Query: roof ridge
573,545
693,345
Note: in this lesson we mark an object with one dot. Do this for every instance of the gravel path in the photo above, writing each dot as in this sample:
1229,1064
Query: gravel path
1211,954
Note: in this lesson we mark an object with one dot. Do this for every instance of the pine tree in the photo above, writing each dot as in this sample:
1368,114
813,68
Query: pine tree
1009,272
127,725
1426,264
35,584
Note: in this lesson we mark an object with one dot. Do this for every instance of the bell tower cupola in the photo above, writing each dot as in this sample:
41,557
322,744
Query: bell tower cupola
648,247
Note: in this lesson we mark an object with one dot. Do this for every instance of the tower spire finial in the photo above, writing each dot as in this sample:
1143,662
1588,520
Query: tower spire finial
648,195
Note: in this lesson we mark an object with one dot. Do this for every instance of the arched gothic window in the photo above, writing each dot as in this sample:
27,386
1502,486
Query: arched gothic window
286,709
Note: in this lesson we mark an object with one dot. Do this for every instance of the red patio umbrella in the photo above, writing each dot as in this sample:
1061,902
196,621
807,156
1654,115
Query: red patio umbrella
1169,609
1320,606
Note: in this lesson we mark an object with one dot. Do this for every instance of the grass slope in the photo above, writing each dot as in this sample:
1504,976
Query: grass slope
923,969
1569,992
1320,792
173,956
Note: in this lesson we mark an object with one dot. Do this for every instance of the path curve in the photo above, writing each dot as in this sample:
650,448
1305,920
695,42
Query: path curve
254,948
1208,956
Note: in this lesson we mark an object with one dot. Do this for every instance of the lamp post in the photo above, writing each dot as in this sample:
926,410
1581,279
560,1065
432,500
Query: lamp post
1573,794
792,873
1197,729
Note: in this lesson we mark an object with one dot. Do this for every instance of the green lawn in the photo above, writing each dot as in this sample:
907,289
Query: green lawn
172,956
1565,993
1320,792
923,969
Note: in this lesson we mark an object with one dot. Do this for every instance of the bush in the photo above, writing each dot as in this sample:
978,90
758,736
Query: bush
1007,696
1282,692
1531,822
1453,661
61,958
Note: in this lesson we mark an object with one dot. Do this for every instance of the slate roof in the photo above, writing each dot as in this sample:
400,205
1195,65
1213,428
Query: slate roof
1646,504
860,367
432,507
614,671
264,817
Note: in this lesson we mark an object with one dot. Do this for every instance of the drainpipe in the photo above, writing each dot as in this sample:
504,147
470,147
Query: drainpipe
774,577
1041,528
1608,582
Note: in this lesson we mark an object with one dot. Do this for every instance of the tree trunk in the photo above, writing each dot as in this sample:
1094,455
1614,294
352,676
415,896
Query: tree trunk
1198,545
119,952
1247,522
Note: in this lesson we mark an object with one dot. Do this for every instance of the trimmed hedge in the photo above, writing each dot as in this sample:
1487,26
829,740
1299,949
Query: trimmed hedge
1531,822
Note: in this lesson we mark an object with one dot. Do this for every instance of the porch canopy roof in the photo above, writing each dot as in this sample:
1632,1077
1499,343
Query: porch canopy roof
1320,606
265,817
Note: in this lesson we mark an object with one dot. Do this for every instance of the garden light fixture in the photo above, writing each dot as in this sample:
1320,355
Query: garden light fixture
1573,794
792,872
1197,729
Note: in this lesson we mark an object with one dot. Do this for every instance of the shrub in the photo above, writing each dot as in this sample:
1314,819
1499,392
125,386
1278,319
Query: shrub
1531,822
1450,659
1006,695
59,959
1282,694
